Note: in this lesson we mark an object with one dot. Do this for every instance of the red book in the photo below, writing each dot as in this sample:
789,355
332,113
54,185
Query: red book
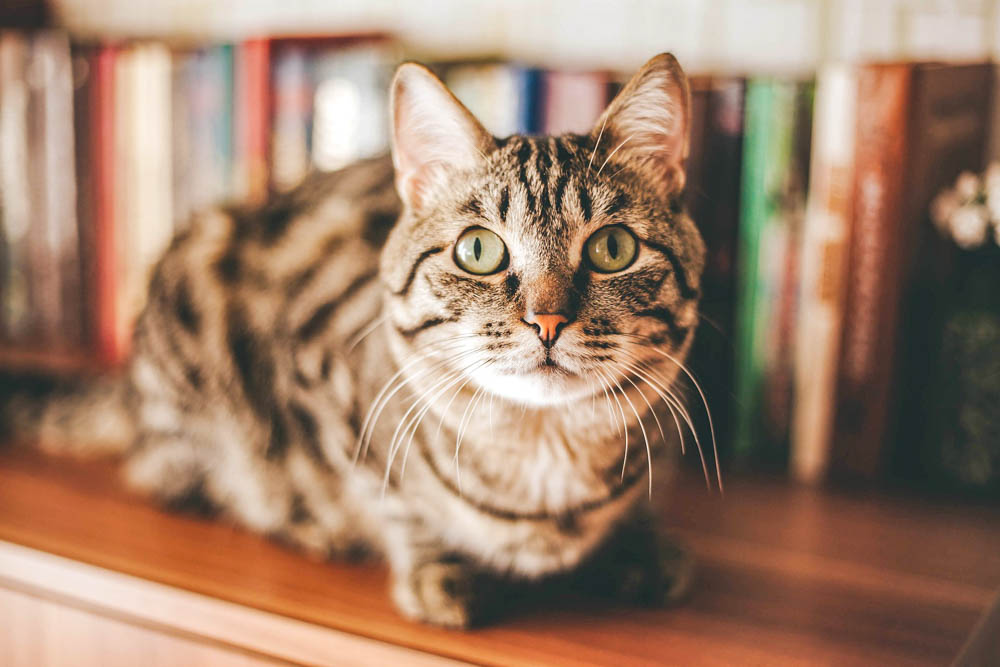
111,341
874,269
253,117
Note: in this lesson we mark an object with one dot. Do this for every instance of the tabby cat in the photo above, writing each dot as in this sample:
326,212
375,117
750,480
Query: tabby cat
449,358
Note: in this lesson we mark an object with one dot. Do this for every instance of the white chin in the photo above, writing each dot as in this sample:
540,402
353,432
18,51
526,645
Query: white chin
539,389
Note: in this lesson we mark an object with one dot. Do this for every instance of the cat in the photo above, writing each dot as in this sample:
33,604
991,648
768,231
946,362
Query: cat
448,356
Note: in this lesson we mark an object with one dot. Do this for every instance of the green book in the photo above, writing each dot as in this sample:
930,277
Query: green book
775,171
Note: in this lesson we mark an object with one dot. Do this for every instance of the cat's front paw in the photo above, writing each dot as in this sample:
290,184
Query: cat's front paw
668,580
437,592
648,569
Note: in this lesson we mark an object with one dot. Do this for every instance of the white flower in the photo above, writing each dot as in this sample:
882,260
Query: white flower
943,207
967,186
969,226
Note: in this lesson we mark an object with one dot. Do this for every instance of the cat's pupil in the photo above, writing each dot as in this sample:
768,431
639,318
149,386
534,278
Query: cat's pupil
477,249
612,246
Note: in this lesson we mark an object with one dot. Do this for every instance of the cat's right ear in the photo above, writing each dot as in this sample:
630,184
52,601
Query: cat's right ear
432,134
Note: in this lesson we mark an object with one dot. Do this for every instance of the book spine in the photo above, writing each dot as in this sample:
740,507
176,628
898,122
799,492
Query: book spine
110,346
60,184
784,240
753,213
574,100
46,292
15,205
875,266
763,256
252,110
529,99
224,127
822,285
84,63
150,157
290,139
713,193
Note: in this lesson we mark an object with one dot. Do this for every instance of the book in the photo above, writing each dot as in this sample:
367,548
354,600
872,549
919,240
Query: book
291,125
775,166
252,120
941,408
59,182
149,226
572,101
49,152
491,92
349,104
874,269
15,203
822,284
112,339
712,195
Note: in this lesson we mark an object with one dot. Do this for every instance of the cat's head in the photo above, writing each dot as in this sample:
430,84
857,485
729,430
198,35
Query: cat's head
542,269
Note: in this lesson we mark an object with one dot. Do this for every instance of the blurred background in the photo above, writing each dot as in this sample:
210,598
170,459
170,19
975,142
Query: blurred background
838,171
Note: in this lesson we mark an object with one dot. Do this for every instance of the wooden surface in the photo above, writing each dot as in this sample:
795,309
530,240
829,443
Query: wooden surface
789,575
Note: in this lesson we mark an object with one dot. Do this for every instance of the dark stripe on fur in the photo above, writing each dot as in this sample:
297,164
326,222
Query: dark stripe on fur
277,444
687,290
317,322
184,309
664,315
310,432
585,204
413,269
504,203
511,285
619,202
254,367
423,326
511,515
472,207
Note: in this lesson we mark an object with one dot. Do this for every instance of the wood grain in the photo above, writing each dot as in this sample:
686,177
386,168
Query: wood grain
789,575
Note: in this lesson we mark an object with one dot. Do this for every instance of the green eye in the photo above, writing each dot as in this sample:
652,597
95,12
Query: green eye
611,249
480,251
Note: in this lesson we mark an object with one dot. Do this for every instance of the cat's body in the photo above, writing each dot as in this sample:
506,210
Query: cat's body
325,374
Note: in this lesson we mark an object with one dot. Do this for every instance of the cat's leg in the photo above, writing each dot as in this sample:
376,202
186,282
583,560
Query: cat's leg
320,521
640,564
165,465
429,583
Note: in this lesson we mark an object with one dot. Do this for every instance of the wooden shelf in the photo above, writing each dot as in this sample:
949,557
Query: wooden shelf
789,575
58,362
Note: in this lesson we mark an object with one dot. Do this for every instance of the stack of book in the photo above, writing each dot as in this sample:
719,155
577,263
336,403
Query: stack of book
108,149
826,279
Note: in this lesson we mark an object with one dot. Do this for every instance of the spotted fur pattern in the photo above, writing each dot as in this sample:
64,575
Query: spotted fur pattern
320,369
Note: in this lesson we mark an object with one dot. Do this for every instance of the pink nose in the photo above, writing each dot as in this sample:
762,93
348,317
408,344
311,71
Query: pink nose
548,325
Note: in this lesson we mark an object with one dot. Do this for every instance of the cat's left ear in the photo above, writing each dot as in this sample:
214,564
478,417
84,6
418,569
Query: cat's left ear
646,126
432,134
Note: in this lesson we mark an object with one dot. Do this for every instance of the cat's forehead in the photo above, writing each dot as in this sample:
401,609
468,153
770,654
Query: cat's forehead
545,188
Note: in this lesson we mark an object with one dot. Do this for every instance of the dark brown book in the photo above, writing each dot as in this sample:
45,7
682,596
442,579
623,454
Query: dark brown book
712,198
919,125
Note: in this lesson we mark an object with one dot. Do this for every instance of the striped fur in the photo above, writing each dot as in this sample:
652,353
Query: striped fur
320,369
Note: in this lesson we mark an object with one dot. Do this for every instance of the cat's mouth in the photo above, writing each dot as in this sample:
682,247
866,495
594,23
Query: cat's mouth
550,366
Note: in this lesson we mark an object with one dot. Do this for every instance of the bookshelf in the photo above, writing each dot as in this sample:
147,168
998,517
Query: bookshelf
21,359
